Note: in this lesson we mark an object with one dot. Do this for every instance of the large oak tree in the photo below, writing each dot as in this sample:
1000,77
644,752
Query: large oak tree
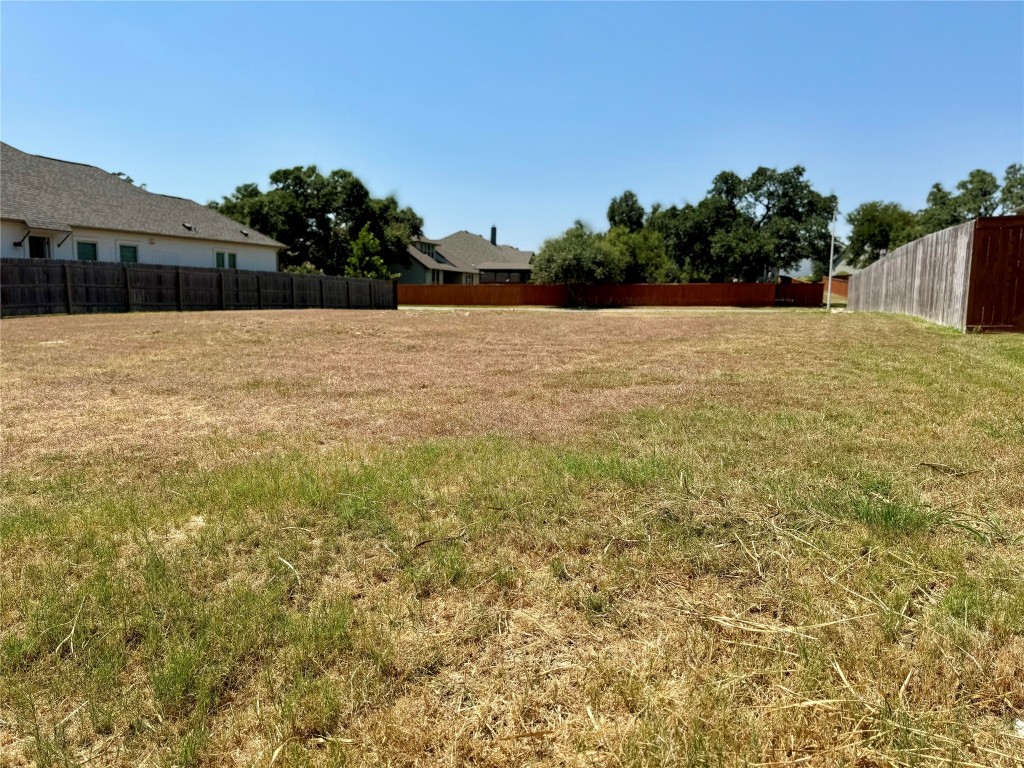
319,218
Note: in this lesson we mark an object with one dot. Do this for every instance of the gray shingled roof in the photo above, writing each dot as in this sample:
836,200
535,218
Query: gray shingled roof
57,194
469,251
428,262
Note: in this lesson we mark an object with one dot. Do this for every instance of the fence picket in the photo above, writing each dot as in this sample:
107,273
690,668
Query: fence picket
34,287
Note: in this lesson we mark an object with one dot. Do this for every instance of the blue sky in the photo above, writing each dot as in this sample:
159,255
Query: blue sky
527,116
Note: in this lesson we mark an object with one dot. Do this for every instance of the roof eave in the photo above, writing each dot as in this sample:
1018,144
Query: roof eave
244,241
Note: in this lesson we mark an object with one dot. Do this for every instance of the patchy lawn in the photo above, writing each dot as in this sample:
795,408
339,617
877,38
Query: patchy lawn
507,537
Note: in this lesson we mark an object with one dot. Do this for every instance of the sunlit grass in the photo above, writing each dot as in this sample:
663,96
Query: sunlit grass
762,572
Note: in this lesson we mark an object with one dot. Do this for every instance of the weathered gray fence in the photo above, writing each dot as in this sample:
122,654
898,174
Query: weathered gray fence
968,276
37,287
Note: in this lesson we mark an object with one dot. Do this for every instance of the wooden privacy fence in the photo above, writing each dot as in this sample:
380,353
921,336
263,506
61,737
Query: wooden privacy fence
37,287
685,295
840,286
969,277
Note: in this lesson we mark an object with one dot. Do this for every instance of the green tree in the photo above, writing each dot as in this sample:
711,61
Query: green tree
365,260
877,228
578,257
941,211
979,195
747,228
643,254
320,217
626,211
689,232
1011,196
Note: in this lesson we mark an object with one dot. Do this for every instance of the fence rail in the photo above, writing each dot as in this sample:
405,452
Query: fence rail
37,287
685,295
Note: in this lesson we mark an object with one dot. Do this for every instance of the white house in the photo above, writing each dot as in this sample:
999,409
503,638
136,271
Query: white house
55,209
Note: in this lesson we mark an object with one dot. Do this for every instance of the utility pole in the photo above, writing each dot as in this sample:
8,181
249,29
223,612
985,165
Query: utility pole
831,258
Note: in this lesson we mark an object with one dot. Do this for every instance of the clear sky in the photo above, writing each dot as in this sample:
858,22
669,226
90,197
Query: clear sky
527,116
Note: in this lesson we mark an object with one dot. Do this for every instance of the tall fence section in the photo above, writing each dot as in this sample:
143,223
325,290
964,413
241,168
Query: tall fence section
684,295
37,287
969,277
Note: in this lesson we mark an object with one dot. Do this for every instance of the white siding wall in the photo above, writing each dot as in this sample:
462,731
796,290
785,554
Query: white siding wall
153,249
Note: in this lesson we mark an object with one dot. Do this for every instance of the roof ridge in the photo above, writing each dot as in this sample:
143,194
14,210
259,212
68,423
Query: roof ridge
56,159
35,186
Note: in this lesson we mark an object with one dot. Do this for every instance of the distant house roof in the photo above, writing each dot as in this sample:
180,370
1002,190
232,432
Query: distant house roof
840,265
471,252
422,258
58,195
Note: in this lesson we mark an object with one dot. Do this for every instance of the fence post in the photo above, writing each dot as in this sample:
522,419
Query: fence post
323,303
292,280
394,293
178,288
223,302
348,293
373,303
67,284
128,287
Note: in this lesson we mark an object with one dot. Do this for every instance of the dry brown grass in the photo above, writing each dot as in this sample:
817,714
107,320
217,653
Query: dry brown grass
154,385
554,538
158,386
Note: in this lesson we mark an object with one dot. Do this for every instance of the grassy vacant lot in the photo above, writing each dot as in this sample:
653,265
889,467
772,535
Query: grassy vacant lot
495,537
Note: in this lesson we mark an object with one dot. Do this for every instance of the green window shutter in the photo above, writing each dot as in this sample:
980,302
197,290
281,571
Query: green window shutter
232,260
87,252
129,253
220,259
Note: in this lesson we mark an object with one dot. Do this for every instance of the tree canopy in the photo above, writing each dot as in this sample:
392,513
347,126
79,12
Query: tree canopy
879,227
577,257
321,218
580,256
747,228
365,260
626,211
744,229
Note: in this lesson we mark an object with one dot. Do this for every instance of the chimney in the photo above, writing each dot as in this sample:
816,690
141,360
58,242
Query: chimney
494,235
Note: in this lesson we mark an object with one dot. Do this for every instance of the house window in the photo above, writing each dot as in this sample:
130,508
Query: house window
435,276
38,247
226,259
129,253
87,251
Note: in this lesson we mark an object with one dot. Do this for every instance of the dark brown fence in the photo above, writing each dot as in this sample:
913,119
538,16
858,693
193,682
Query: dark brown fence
995,299
36,287
686,295
969,277
505,295
799,294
